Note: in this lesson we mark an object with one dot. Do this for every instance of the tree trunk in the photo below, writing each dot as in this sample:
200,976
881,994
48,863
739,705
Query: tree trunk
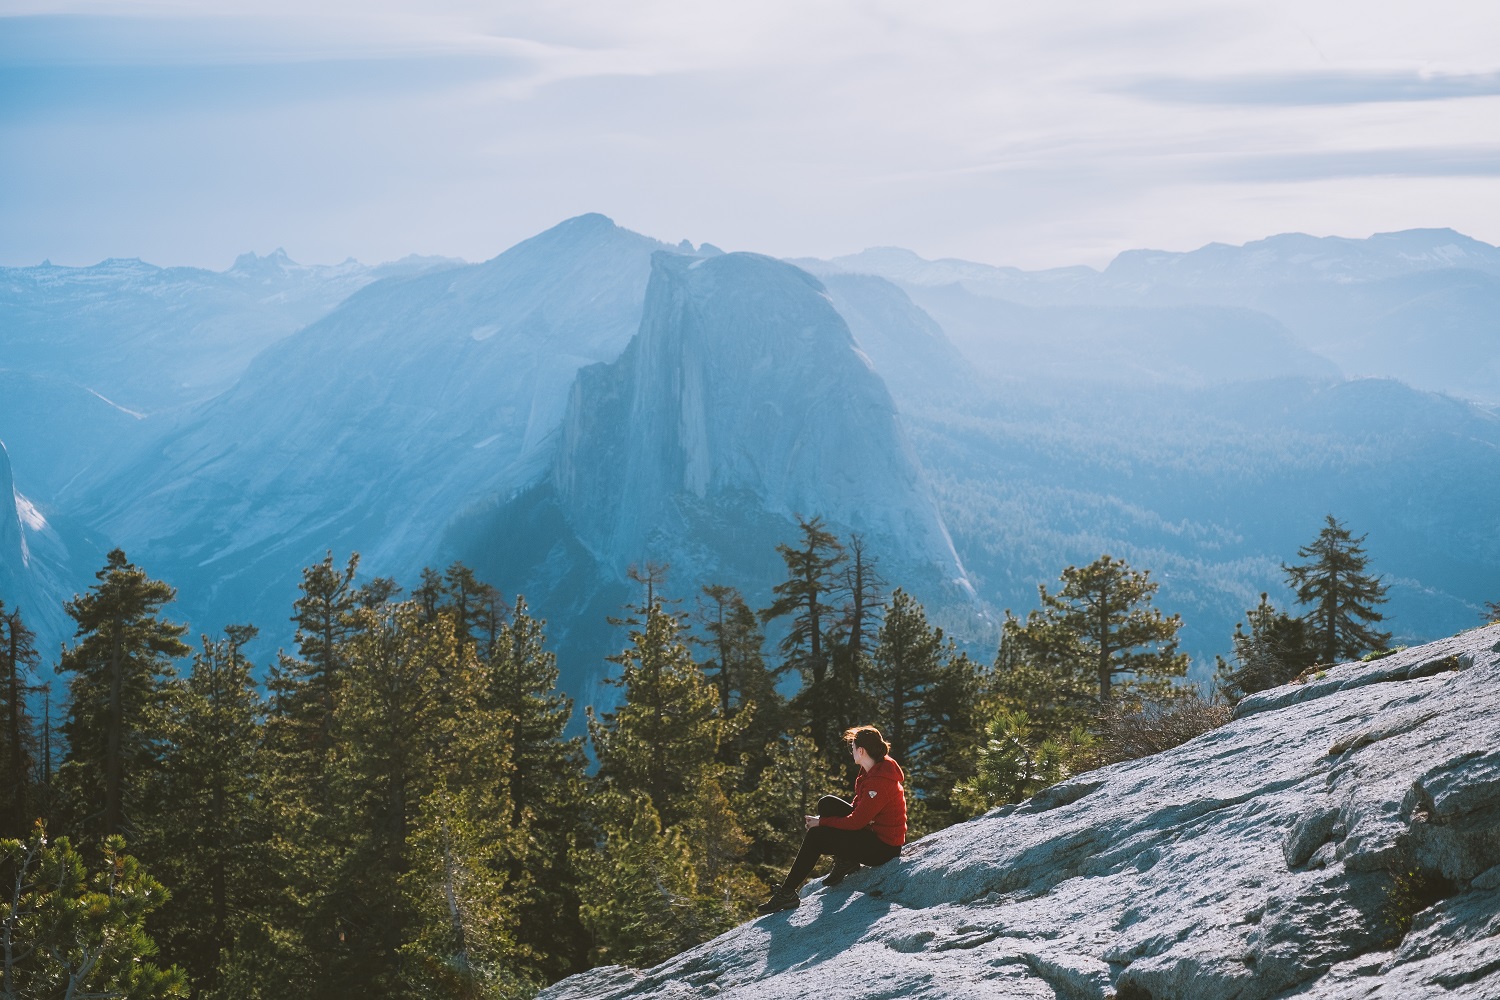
113,764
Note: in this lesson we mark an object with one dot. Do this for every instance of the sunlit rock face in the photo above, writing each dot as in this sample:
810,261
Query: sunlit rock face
1264,859
40,568
12,542
743,395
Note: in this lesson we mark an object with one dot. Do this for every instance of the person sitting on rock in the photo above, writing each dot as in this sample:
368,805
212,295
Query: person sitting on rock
868,831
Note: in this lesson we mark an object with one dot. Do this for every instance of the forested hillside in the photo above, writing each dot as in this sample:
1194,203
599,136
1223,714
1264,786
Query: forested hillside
398,808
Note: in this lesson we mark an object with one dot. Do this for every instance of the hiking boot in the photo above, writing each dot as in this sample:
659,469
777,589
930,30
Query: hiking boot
781,899
842,869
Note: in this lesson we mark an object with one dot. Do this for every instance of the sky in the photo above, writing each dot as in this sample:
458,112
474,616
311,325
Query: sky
1032,135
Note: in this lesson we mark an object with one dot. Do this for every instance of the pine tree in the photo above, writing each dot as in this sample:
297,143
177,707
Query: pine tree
1491,614
1341,596
785,788
652,578
908,659
388,731
955,716
19,802
545,790
664,737
1103,621
741,677
1275,650
861,603
671,871
279,954
1015,760
305,688
461,941
927,694
211,828
69,933
1038,675
643,905
122,666
812,575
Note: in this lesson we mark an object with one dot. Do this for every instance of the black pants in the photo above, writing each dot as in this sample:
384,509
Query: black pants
845,845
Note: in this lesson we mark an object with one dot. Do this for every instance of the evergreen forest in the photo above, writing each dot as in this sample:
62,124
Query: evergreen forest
395,806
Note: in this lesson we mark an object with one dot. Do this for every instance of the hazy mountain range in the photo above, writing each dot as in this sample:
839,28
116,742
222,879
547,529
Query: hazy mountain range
593,398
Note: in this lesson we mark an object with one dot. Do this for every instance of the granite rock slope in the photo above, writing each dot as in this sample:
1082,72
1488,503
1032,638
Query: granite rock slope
1268,858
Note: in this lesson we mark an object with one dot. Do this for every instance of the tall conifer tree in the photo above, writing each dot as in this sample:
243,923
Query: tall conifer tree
211,829
665,734
737,664
19,805
670,871
1102,618
908,660
121,666
1275,650
804,596
927,695
856,623
1340,595
545,789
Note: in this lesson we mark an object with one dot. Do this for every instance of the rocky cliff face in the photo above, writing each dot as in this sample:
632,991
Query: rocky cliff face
744,389
12,541
1339,839
39,568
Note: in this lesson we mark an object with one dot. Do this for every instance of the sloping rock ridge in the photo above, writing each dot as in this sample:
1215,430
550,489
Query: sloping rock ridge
1338,839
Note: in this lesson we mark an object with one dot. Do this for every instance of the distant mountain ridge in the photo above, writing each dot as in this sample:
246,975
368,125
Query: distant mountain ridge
1418,305
531,415
150,338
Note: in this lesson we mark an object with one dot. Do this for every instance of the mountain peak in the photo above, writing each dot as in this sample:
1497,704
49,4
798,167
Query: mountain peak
577,234
251,262
1299,257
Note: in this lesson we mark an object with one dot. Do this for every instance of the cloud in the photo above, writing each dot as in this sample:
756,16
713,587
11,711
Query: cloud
51,93
1413,163
190,130
1313,88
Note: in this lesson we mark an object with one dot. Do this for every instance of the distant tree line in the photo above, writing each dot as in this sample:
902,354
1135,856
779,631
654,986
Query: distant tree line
397,812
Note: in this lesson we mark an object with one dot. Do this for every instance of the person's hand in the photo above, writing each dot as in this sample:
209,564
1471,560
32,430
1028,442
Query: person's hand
811,821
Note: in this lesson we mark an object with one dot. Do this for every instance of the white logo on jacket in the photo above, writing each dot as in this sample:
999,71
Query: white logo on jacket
872,795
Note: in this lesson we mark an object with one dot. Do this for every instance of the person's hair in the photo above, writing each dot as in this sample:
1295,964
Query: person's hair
868,737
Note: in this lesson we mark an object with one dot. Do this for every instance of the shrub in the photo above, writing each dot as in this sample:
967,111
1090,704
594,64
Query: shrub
1017,760
1412,890
1128,733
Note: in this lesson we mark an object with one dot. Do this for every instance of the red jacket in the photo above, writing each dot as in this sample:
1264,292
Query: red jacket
879,803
